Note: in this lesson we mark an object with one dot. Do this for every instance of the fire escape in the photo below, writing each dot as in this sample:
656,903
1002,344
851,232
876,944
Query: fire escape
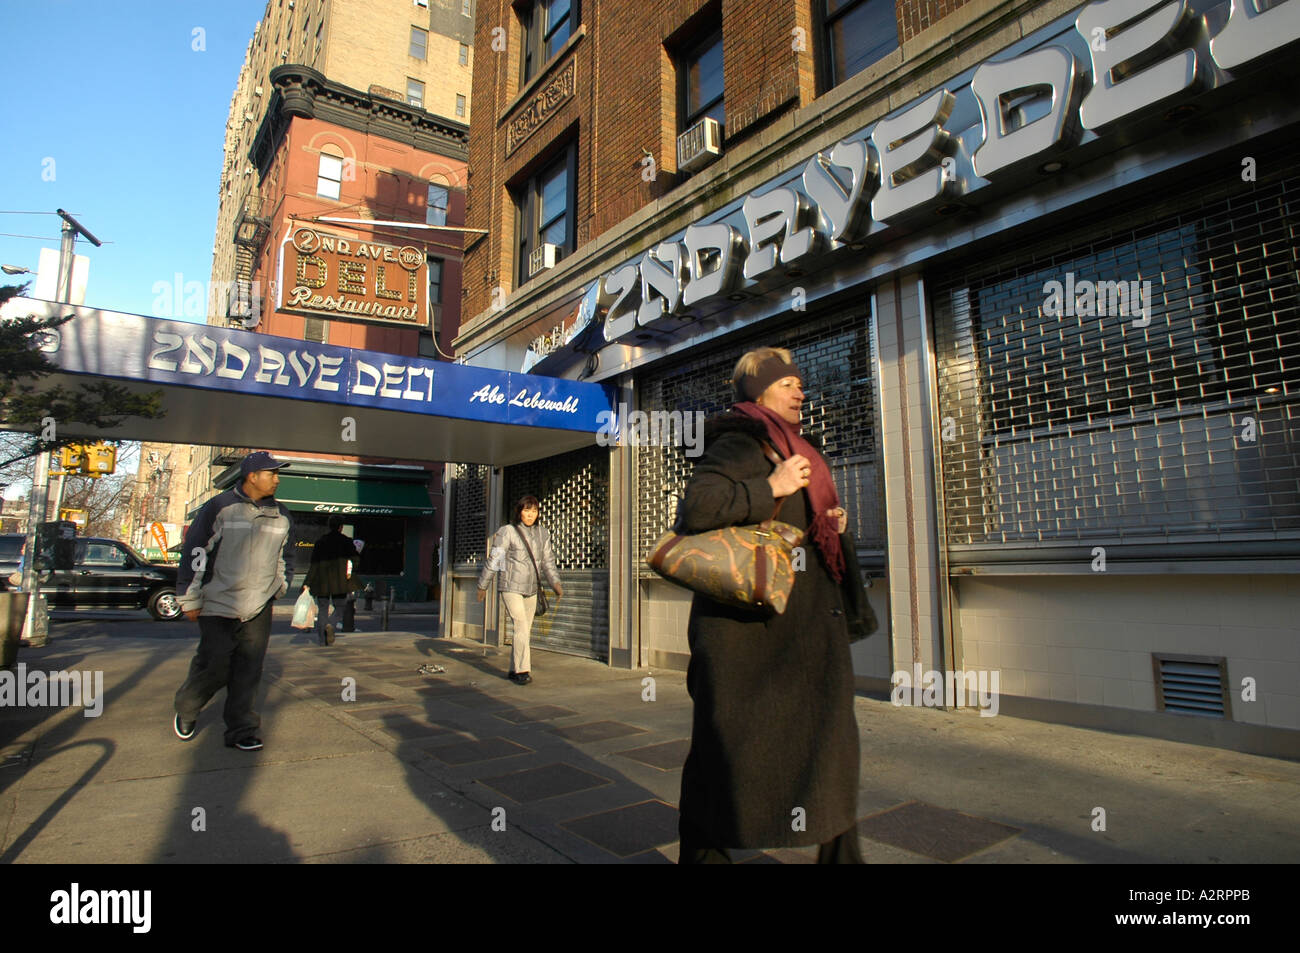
243,309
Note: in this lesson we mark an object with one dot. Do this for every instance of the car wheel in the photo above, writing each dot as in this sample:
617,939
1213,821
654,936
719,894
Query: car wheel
164,606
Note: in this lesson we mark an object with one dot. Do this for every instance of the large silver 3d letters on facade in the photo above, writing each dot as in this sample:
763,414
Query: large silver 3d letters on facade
1249,34
779,219
1031,107
1115,41
1010,137
911,147
843,208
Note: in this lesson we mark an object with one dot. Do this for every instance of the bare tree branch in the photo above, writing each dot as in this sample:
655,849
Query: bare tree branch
26,409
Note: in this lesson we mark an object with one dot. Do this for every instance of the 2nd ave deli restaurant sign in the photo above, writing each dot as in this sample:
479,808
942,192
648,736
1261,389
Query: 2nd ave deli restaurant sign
331,276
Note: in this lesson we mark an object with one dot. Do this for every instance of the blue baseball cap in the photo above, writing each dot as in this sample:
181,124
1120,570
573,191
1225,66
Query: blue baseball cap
259,460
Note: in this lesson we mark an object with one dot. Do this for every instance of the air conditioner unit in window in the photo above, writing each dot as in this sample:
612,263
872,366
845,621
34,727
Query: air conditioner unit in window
699,145
544,256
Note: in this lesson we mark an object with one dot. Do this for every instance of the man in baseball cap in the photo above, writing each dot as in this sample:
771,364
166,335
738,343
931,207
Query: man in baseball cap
259,460
237,561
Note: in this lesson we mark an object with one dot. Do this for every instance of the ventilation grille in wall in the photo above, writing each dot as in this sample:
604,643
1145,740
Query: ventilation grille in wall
1191,685
316,330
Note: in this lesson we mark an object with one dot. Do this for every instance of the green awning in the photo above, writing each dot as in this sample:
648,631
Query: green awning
353,497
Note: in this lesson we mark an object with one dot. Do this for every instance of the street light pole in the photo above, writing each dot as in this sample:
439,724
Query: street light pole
37,626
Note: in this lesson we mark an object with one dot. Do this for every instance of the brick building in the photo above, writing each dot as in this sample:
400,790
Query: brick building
341,222
1038,264
159,496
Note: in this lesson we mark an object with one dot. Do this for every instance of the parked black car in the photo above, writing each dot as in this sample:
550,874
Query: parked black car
104,574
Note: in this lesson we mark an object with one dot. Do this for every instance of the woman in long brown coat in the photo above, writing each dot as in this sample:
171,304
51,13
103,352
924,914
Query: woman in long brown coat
774,742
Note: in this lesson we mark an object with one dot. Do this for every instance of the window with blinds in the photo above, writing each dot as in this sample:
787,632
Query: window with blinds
1169,417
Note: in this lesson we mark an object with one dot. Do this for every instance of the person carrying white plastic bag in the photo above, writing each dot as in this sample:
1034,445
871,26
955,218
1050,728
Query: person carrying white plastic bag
304,611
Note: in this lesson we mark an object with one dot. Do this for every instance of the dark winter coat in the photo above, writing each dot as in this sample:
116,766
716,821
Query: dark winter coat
328,574
774,741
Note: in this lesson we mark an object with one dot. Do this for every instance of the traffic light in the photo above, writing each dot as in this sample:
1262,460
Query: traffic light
100,459
71,458
93,460
73,516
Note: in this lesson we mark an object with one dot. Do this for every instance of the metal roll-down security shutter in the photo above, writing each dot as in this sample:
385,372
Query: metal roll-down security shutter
574,492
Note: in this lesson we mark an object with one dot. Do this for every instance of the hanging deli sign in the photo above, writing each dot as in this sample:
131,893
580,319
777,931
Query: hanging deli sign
333,276
1146,56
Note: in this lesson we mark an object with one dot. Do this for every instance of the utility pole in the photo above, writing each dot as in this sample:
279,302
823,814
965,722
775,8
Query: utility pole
37,627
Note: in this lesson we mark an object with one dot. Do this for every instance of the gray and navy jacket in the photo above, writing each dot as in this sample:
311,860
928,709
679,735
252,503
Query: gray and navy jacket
237,556
507,556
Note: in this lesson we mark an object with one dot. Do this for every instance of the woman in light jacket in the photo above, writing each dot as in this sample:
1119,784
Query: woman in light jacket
520,552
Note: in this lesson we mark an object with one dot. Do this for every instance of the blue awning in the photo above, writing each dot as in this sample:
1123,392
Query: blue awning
230,387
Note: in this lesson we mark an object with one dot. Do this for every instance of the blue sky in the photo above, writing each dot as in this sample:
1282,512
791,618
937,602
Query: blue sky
113,115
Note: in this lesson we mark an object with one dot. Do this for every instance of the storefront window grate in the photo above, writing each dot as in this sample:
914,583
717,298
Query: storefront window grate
835,355
1073,421
469,514
574,492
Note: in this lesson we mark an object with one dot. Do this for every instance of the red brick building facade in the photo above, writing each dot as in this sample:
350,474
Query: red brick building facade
385,175
325,151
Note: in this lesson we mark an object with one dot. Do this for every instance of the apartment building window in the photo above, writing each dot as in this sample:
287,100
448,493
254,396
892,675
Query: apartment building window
436,212
435,295
464,54
419,47
548,24
856,33
465,8
546,209
415,92
460,105
701,86
329,176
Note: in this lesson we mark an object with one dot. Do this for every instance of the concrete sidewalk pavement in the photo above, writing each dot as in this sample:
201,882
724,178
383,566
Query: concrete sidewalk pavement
368,760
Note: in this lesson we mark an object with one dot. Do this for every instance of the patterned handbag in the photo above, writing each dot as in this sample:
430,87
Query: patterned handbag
746,566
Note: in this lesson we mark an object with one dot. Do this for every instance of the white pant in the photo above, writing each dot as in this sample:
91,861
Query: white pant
521,609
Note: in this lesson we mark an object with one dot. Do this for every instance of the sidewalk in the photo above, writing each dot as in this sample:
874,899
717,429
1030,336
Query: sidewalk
578,767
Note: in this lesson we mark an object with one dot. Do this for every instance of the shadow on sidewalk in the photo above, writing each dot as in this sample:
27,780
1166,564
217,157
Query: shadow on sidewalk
496,772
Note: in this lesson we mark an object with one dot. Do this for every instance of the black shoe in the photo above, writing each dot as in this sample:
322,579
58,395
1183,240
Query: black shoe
521,678
184,729
248,744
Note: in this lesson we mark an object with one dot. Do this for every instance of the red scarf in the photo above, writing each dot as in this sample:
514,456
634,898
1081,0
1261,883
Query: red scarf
785,437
